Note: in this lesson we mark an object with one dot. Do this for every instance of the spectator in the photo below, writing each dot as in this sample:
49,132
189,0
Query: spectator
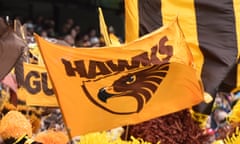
39,24
84,42
44,34
69,39
66,28
94,40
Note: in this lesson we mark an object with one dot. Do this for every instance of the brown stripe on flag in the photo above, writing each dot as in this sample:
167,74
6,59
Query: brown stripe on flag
216,36
217,40
150,17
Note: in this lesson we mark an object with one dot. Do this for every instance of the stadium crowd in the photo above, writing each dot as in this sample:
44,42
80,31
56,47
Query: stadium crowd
69,31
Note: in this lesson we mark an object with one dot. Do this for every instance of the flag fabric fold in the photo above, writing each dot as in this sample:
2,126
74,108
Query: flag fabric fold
11,49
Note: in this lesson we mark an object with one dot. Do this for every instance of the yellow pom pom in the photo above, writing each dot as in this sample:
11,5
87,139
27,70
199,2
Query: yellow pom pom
234,116
52,137
218,142
105,138
199,118
207,97
234,138
14,124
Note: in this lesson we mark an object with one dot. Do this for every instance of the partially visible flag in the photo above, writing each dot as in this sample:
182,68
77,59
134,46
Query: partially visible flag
131,20
103,88
103,27
211,29
11,48
20,29
110,38
37,86
114,39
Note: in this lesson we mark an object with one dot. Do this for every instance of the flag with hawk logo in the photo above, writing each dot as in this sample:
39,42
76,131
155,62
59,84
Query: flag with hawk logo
103,88
211,29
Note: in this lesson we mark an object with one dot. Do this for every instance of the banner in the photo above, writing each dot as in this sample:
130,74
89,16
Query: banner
37,86
103,88
211,29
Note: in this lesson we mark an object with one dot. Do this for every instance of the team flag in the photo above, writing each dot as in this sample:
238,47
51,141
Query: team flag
37,86
211,29
103,88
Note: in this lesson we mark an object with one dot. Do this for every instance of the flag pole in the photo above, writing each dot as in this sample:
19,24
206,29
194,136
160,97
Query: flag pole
126,133
69,135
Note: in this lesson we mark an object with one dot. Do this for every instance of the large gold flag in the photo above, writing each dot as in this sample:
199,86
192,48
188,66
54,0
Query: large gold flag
37,86
103,88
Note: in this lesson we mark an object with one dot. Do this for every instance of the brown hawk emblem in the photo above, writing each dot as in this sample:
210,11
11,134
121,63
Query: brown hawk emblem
140,85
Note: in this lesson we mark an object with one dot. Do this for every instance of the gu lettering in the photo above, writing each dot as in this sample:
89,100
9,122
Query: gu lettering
35,82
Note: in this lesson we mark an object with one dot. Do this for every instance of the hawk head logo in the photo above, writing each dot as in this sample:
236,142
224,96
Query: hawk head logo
130,92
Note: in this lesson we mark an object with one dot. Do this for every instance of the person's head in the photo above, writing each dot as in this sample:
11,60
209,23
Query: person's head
111,29
73,33
69,39
219,116
95,42
85,37
44,34
77,28
29,27
92,33
70,21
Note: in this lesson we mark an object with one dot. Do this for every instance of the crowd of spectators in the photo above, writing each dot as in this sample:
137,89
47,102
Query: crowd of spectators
69,31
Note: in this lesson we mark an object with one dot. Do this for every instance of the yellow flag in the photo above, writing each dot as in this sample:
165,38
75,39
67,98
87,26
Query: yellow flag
103,88
131,20
114,40
109,38
237,20
103,28
37,86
